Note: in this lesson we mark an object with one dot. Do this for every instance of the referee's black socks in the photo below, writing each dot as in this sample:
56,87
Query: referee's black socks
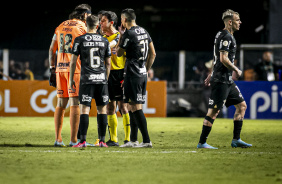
141,121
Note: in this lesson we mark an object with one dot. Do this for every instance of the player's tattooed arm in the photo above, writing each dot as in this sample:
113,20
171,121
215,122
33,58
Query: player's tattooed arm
108,66
228,64
72,69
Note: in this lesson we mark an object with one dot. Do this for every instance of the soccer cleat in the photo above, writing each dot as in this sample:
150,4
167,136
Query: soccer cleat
87,144
112,143
144,145
71,144
129,144
97,142
205,145
102,144
239,143
59,144
80,145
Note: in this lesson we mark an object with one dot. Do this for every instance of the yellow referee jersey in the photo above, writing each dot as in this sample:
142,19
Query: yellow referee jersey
117,63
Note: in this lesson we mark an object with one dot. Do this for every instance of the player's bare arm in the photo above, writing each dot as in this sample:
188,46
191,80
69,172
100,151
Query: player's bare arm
72,69
228,64
108,66
151,56
52,53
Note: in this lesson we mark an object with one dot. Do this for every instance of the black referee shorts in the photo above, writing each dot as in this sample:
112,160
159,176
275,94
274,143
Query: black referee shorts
114,85
221,93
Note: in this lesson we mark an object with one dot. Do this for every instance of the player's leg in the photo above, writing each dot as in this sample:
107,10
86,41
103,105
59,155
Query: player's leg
112,123
83,125
133,126
219,93
74,109
74,119
62,101
236,98
102,124
101,96
126,121
207,126
59,118
142,124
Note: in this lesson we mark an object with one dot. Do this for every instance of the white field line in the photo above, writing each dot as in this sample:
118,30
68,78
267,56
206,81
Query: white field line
136,151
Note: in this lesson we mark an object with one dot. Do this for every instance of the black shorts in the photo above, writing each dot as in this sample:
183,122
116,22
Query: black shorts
97,91
135,90
228,94
114,85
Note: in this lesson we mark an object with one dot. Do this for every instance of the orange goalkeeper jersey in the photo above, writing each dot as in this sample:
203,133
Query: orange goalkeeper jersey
64,36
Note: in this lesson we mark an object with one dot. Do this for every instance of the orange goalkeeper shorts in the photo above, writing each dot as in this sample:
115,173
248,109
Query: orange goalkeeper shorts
63,88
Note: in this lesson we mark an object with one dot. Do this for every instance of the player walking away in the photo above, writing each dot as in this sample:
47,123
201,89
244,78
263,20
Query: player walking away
108,23
140,55
62,43
93,50
224,90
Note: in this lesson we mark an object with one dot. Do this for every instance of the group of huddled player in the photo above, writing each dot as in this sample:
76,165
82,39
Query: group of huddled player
90,59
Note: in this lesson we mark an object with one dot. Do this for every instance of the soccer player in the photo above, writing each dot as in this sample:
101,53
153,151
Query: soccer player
93,50
108,23
62,43
140,55
224,90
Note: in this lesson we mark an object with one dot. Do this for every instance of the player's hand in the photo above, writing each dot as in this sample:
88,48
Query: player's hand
52,77
121,83
207,80
72,85
237,73
121,29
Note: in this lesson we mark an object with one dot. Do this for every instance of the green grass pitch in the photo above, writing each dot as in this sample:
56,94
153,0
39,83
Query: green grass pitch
27,154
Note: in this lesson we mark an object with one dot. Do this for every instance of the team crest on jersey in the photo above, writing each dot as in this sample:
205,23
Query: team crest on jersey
141,97
105,98
211,101
225,43
86,98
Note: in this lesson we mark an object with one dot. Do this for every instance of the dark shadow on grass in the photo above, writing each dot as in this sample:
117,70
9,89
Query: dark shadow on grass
26,145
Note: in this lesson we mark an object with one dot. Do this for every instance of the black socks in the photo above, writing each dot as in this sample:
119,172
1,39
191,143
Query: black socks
83,126
141,121
237,129
133,127
102,126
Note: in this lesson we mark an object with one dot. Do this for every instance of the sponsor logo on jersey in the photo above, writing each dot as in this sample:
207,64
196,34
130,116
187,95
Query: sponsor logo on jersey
97,76
63,64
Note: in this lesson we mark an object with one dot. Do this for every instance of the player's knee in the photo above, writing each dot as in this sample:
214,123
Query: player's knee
111,109
208,121
123,109
242,107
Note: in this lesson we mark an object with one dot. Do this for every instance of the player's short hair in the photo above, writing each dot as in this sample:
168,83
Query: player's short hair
111,16
228,14
79,11
129,14
92,21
